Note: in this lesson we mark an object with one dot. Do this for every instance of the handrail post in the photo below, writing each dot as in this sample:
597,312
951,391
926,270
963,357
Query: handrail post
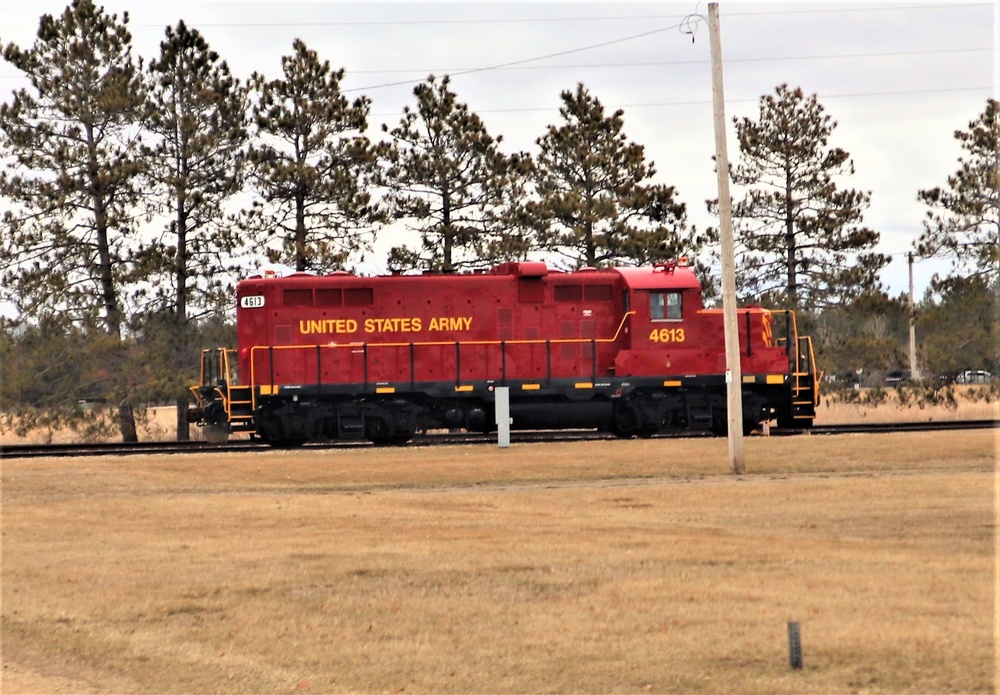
788,338
749,342
548,363
593,360
413,377
503,362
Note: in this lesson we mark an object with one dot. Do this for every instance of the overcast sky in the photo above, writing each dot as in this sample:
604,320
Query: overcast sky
899,78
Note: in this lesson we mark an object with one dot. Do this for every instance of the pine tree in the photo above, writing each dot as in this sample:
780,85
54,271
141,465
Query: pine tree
869,333
311,165
449,180
596,205
799,237
959,324
964,220
199,119
74,137
52,377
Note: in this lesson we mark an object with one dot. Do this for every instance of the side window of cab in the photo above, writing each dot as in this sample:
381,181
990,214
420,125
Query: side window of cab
665,306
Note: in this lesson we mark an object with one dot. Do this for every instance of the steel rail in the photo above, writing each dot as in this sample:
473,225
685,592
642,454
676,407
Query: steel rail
248,445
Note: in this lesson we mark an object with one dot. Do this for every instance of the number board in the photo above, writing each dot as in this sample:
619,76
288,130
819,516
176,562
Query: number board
252,301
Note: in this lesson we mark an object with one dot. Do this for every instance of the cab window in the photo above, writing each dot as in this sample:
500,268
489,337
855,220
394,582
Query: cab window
665,306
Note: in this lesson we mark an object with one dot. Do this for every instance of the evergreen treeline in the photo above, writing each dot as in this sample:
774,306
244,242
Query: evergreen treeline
136,191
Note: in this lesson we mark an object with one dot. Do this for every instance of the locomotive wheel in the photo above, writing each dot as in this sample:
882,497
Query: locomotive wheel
271,431
378,432
283,442
625,424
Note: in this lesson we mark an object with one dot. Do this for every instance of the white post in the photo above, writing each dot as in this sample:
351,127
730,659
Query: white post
734,375
914,369
502,394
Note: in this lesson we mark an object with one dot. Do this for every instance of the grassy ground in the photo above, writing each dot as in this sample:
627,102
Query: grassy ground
633,567
970,403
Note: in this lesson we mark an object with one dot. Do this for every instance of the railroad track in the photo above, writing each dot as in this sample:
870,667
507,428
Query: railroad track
238,445
874,428
119,449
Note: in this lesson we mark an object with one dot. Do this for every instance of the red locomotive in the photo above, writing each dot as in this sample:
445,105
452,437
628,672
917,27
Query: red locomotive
628,350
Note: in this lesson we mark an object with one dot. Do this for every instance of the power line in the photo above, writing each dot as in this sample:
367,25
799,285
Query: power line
426,22
703,102
526,60
522,63
681,25
895,54
582,66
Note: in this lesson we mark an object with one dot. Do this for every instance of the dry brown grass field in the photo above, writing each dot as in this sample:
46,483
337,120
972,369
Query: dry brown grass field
971,403
603,567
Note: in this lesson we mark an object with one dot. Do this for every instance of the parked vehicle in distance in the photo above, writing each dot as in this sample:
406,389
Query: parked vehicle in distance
897,377
973,376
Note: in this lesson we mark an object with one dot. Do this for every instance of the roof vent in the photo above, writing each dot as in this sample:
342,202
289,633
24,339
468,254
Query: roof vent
523,269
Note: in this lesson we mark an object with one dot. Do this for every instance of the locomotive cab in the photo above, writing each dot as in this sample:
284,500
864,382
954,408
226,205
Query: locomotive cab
677,349
664,303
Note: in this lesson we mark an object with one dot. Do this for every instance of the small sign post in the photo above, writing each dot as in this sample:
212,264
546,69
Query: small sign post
503,416
794,645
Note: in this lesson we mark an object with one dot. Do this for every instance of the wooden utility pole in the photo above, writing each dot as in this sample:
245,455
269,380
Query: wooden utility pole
734,375
914,369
